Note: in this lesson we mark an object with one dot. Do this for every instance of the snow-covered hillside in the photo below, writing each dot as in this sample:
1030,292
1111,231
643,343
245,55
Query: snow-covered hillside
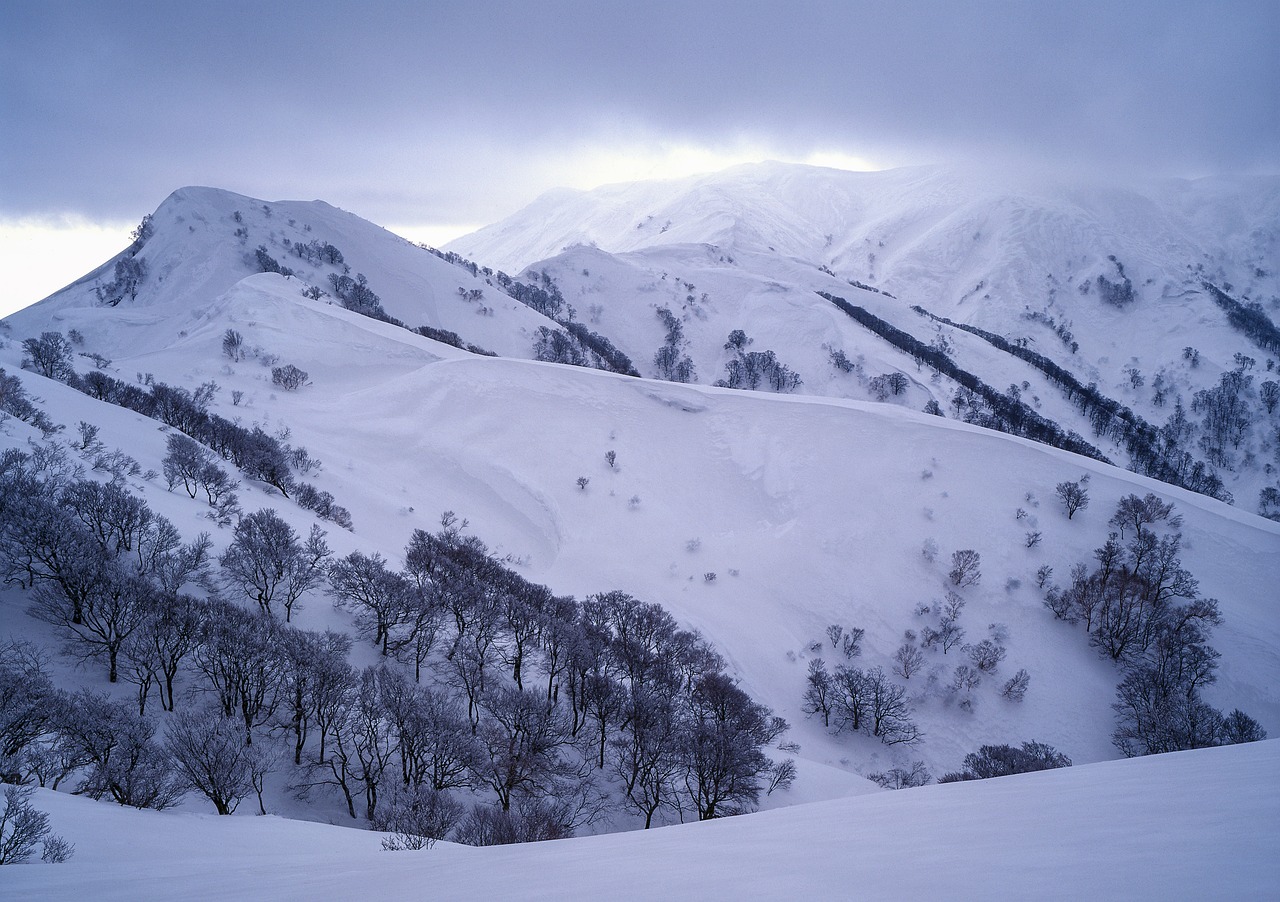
760,520
929,232
1188,825
1115,285
203,241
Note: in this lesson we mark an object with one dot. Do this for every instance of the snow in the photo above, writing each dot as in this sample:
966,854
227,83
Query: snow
811,509
1184,825
992,250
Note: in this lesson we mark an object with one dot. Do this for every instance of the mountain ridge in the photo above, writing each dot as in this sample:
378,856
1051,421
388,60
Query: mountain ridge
758,519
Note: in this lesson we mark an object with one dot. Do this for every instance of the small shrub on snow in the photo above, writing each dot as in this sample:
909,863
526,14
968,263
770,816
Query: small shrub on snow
288,377
1015,688
903,778
1003,760
22,827
965,568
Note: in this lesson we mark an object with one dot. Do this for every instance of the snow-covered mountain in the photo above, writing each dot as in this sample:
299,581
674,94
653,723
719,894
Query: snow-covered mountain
1137,292
204,241
932,233
759,519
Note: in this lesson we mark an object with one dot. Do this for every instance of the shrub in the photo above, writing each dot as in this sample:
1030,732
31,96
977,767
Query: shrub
965,568
288,377
1015,688
233,345
1003,760
22,827
49,355
902,778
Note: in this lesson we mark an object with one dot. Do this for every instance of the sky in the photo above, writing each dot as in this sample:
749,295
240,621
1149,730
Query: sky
434,118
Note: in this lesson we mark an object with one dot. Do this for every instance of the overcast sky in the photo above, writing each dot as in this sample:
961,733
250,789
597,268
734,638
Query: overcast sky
437,117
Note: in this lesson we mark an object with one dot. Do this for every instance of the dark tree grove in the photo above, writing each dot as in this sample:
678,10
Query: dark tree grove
1002,412
1155,452
538,710
1144,611
257,454
1003,760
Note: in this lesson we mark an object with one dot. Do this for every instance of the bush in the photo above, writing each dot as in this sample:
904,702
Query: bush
986,655
1240,727
418,817
1015,688
1003,760
15,402
22,827
902,778
268,263
965,568
288,377
49,355
233,345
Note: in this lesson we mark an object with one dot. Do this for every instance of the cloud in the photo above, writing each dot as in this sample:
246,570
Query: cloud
463,111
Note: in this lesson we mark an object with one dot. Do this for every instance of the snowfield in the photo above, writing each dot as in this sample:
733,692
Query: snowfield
758,519
1187,825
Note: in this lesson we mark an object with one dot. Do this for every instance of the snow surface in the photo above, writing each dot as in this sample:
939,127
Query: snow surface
1188,825
748,247
810,510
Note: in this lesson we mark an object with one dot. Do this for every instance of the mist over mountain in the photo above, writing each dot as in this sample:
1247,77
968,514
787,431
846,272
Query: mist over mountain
753,490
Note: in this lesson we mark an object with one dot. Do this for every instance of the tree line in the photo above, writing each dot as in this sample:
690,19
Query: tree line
497,710
1006,413
253,451
1141,609
1154,452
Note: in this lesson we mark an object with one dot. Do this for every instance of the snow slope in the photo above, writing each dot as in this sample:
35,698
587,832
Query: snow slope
1018,254
204,243
1190,825
809,510
930,232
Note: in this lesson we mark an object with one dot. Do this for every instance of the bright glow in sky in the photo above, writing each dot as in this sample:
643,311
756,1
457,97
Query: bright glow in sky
664,160
40,257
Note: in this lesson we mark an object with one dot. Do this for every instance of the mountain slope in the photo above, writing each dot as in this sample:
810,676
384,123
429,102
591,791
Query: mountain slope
785,499
932,232
1125,288
203,241
760,520
1190,824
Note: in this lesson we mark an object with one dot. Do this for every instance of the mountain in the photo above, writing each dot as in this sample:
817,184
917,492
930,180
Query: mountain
759,519
928,231
204,242
1145,295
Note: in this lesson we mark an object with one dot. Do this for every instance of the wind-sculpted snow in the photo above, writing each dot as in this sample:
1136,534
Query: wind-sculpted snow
758,519
1188,825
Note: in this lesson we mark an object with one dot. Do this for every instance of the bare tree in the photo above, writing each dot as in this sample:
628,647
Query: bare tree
233,345
210,754
907,659
819,693
380,598
1015,688
241,655
1074,495
23,827
124,761
50,355
266,561
965,568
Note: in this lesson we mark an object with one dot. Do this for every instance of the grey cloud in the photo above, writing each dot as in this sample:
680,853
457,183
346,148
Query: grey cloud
458,109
